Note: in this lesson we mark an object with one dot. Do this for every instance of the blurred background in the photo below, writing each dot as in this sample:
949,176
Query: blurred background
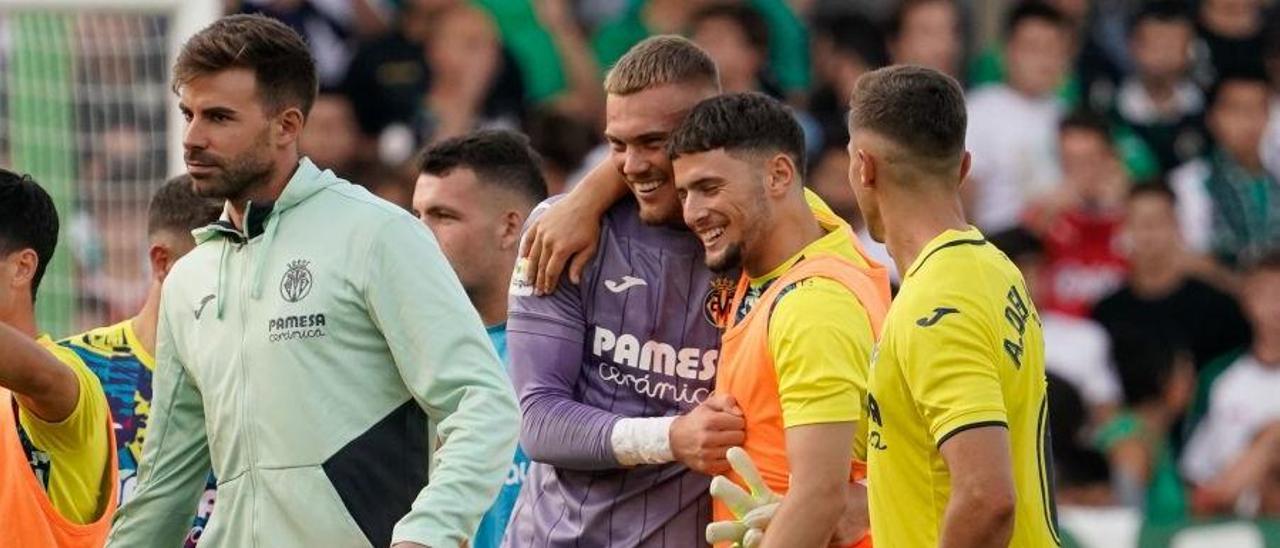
1126,156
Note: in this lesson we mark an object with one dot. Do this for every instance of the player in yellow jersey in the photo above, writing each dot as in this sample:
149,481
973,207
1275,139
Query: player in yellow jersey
957,448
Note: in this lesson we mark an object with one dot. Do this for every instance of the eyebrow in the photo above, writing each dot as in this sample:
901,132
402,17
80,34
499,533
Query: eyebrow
650,136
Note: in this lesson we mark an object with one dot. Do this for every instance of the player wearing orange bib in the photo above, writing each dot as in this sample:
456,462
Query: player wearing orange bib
805,314
49,400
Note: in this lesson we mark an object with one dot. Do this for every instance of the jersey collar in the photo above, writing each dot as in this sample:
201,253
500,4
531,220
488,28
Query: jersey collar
949,238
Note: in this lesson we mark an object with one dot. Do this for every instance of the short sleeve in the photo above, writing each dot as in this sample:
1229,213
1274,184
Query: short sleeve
950,367
821,339
77,446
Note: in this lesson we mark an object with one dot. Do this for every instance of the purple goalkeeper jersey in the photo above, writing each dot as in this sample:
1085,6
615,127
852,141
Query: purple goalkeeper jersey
638,338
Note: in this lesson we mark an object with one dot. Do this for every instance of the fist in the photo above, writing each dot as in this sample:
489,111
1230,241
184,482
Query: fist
701,438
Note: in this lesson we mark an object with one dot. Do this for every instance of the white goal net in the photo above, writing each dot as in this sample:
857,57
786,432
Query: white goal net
85,108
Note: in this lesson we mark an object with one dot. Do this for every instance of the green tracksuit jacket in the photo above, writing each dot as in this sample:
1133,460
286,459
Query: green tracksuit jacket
304,361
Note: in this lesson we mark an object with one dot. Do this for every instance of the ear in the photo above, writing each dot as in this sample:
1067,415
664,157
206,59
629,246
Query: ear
288,126
966,164
161,261
866,176
509,225
782,175
25,262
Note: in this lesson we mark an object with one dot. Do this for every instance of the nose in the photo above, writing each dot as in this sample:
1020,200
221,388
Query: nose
634,163
694,208
193,136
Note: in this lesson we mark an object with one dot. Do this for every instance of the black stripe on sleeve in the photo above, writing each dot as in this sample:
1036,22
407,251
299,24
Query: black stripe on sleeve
971,426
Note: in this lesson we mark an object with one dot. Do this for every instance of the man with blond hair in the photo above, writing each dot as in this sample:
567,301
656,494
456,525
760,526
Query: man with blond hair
614,374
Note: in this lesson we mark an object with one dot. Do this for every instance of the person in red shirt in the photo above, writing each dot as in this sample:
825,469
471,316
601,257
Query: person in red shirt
1080,223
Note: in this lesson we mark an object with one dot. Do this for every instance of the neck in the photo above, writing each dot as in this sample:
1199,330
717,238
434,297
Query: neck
264,191
145,323
491,305
1160,90
1250,160
790,230
1266,348
24,321
1158,278
913,219
1154,416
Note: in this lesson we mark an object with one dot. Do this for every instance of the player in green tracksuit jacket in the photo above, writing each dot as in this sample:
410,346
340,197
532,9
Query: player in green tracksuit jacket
305,347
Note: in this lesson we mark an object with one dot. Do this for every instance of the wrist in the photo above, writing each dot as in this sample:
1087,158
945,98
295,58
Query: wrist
645,440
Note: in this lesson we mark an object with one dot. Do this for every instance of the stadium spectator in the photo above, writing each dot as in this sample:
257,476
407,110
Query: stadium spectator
332,136
1161,295
1080,220
1160,102
1223,199
1013,127
391,76
796,351
788,39
564,142
1077,350
465,57
121,355
927,33
1082,473
600,426
367,328
49,400
845,46
737,39
1158,379
475,193
1237,444
330,27
1231,32
1271,143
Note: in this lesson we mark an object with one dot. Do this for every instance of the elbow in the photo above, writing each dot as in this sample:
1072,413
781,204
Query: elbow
993,506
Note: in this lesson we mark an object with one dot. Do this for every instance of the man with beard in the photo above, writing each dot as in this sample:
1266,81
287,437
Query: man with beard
308,340
614,375
805,314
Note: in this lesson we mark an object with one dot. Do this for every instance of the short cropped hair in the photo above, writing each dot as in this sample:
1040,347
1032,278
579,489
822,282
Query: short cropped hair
28,220
1033,10
281,63
500,158
920,109
176,207
661,60
752,24
740,122
1160,11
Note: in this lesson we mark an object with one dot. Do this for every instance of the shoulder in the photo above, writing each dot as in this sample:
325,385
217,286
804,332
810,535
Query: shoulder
816,301
356,200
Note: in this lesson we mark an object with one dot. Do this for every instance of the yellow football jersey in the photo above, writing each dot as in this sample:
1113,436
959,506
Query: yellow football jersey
961,348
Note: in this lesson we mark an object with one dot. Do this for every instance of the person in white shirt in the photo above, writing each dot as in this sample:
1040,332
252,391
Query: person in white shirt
1013,126
1237,443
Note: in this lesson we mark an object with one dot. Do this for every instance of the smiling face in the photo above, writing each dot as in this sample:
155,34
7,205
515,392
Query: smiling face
724,203
637,127
227,143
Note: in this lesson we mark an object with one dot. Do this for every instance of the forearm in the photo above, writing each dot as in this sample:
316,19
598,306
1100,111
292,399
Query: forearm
43,385
807,516
602,187
583,94
559,431
973,523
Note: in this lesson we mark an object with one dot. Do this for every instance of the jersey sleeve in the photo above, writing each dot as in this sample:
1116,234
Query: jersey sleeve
545,343
949,365
77,446
820,338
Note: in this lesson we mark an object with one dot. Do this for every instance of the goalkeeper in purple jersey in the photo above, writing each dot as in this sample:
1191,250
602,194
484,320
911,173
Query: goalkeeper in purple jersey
614,374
